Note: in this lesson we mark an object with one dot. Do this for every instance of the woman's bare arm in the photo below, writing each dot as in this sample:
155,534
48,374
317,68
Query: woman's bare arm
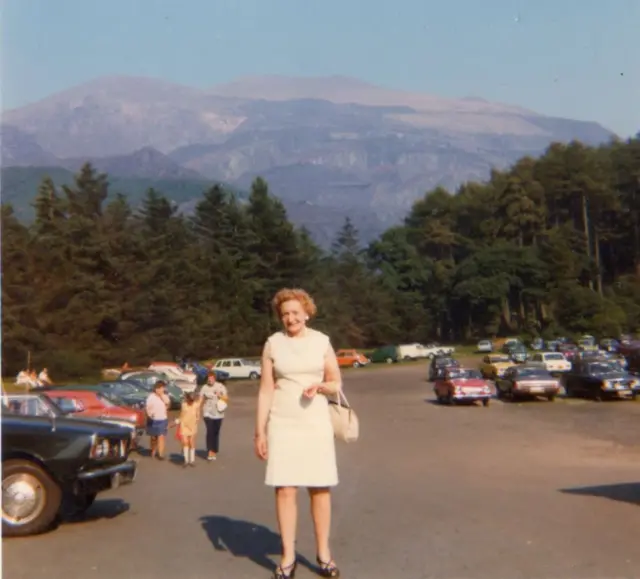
332,378
265,393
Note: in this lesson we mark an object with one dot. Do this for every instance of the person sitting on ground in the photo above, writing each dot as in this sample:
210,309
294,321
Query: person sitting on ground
43,378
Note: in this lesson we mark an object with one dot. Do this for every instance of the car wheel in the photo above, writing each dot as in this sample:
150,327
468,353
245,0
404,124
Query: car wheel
356,364
253,376
485,402
389,361
451,400
551,397
30,498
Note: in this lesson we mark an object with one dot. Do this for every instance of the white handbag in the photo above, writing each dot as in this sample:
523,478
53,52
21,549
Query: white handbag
344,419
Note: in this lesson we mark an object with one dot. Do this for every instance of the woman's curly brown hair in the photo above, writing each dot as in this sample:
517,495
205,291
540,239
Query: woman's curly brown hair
289,294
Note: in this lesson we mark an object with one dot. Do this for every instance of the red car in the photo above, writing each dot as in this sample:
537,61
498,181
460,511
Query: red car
87,404
462,384
569,351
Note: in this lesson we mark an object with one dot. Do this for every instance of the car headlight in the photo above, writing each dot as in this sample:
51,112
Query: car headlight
607,384
99,448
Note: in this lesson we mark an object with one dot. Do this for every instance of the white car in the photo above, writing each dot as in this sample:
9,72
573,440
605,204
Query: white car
239,368
174,372
432,350
484,346
417,351
552,361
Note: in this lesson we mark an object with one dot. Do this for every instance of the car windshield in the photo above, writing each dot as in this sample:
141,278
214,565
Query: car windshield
122,387
532,373
553,357
105,401
604,367
446,362
140,384
465,375
30,405
114,398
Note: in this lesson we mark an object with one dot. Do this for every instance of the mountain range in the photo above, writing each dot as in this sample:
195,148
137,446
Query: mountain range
328,147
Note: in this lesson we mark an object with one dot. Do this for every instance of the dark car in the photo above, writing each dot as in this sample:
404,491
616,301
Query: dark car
124,393
527,381
633,363
439,365
146,381
53,464
517,352
599,379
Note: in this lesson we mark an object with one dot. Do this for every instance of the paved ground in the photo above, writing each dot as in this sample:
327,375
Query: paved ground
535,490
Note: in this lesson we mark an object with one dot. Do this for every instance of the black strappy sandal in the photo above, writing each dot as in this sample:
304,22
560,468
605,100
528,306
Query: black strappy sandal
328,569
288,572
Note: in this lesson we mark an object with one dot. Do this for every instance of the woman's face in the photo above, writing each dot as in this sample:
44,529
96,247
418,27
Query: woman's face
293,316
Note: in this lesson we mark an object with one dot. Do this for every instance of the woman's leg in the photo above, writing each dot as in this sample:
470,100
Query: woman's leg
287,512
217,425
153,445
161,441
185,448
321,512
209,423
192,449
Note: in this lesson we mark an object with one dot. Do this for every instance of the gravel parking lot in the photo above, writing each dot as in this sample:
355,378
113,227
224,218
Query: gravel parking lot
524,490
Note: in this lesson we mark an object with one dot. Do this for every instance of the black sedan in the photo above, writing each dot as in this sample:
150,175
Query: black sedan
600,379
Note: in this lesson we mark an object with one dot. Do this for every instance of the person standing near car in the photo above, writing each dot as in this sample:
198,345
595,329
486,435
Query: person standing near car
214,398
156,407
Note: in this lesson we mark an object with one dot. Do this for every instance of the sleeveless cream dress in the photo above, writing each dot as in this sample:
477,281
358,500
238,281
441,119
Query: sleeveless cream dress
301,442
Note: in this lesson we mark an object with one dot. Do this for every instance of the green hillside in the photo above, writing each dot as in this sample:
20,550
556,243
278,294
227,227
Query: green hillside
19,186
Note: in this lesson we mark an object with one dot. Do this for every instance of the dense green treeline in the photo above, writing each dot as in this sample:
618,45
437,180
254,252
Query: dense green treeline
550,246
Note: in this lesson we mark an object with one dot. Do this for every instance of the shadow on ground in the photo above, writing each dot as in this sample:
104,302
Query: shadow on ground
255,542
624,492
101,509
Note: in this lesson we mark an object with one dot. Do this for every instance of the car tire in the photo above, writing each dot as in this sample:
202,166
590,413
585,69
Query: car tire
551,397
485,402
253,376
47,496
389,361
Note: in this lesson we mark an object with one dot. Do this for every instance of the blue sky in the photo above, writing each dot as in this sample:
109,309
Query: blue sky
574,58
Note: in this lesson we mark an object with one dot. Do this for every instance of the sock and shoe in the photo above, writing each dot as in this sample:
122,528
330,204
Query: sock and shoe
189,455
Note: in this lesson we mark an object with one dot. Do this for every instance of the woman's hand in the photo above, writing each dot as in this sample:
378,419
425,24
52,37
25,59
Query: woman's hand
260,446
311,391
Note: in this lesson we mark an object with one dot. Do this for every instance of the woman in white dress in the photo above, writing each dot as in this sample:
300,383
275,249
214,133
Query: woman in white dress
294,433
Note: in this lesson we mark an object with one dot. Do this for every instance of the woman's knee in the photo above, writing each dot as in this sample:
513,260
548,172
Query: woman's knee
318,491
285,493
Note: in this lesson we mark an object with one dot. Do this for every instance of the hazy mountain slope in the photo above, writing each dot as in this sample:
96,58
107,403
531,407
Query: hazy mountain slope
335,142
21,149
119,115
147,163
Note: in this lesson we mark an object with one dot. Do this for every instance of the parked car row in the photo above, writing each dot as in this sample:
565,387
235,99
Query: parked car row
593,375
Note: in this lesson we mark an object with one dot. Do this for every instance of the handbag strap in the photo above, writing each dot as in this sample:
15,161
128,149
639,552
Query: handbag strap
340,396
